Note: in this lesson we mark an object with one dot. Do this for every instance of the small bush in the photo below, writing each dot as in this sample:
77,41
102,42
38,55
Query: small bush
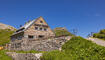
102,31
100,35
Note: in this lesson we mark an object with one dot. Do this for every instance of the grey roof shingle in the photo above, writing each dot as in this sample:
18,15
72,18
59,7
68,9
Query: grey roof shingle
24,27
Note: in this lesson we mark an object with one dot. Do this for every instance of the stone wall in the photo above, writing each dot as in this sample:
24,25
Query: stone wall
24,56
48,44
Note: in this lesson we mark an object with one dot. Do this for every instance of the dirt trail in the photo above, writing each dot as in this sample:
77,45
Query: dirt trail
97,41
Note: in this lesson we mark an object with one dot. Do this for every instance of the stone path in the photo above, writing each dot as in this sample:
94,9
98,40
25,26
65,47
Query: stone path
97,41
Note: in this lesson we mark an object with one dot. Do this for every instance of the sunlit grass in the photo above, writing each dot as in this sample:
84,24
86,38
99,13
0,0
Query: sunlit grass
77,49
5,36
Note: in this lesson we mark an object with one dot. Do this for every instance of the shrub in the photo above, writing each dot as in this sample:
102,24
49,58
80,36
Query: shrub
102,31
100,35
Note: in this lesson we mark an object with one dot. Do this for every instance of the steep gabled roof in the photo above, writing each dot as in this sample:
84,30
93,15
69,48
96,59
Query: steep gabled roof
26,26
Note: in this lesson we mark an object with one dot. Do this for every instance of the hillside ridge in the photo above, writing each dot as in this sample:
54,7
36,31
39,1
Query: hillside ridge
5,26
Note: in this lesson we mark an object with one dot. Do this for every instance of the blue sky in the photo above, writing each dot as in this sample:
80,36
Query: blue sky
85,15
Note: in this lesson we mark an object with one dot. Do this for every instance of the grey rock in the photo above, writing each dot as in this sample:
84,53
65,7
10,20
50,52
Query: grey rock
24,56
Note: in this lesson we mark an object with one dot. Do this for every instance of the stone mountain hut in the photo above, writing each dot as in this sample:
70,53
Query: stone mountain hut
33,30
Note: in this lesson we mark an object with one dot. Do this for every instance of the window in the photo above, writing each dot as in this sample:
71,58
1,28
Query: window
45,29
30,36
41,21
41,36
40,28
36,28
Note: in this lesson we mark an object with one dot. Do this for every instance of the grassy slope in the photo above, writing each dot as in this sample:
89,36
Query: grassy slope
3,55
5,36
62,33
77,49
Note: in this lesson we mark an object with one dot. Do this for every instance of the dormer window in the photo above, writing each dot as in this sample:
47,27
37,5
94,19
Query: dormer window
45,29
41,29
36,28
41,21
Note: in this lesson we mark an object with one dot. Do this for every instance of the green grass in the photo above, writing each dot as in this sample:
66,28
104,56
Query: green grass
77,48
62,33
31,51
5,36
3,55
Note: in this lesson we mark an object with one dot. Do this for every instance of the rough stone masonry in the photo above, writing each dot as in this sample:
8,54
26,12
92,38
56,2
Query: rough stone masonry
42,45
39,45
24,56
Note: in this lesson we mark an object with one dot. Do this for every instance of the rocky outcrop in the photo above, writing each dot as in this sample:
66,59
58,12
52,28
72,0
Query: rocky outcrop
4,26
24,56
